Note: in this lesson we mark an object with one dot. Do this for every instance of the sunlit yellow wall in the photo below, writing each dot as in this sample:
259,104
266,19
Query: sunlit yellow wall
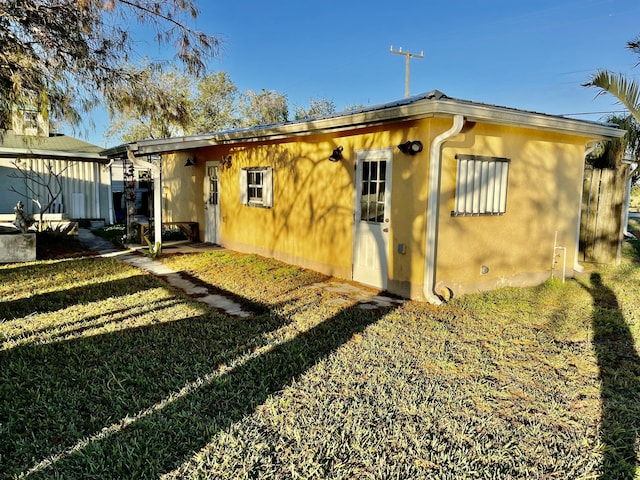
182,192
311,221
544,196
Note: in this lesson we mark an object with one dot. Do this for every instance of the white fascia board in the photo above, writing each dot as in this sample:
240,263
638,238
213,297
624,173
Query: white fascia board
523,119
418,110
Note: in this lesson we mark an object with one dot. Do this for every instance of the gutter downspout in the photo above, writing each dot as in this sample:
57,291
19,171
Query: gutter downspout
157,198
111,219
433,203
591,146
96,185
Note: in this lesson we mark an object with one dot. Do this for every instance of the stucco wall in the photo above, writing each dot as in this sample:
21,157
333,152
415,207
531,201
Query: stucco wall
311,221
544,195
182,189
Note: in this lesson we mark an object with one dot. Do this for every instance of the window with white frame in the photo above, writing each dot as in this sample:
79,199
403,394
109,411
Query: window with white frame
256,186
30,120
481,185
29,123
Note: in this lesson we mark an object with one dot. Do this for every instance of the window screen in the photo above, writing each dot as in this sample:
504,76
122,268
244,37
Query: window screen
481,185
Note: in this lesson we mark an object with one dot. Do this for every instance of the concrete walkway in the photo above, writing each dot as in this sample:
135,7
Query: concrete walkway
345,294
133,257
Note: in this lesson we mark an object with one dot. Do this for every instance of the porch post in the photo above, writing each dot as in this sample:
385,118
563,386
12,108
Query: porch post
156,169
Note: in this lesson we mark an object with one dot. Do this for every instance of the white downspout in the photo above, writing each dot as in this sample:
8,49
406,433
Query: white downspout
157,197
433,203
576,259
111,219
97,183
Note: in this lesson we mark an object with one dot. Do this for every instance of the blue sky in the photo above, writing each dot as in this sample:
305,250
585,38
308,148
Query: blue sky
526,54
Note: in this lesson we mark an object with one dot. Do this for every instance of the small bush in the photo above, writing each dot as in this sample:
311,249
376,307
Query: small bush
52,245
113,233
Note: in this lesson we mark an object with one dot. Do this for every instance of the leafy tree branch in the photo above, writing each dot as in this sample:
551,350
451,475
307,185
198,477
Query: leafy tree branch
67,56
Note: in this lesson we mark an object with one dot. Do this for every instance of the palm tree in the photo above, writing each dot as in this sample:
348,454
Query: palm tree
626,90
611,153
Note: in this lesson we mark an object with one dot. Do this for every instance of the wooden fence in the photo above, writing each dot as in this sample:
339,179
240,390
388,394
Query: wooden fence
601,221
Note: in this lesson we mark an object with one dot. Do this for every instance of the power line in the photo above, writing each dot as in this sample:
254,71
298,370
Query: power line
407,56
590,113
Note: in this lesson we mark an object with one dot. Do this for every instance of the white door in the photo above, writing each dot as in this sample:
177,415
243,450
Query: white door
372,213
212,203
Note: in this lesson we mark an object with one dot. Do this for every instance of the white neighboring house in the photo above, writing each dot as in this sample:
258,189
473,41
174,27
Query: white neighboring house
84,176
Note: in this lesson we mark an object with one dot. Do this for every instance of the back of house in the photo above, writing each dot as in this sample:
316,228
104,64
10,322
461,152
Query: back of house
426,197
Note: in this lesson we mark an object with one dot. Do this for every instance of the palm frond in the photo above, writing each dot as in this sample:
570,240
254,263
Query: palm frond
626,91
634,46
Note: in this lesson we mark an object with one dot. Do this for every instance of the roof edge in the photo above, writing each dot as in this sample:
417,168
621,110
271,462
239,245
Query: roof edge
51,154
433,104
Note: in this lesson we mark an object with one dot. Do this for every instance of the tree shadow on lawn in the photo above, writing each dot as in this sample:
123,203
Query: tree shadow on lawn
54,392
64,298
162,438
253,307
114,317
620,385
635,246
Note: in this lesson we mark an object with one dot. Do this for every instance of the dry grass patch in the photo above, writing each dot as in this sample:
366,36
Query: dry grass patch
109,373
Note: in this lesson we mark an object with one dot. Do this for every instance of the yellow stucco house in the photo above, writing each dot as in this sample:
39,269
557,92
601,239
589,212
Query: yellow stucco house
426,197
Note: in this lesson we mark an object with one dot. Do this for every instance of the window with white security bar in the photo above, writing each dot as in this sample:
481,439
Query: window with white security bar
256,186
481,185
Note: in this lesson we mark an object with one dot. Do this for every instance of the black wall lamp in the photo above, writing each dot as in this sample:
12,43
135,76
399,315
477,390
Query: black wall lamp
336,156
226,161
191,162
411,147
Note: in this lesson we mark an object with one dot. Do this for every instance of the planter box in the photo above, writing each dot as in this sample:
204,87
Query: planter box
18,247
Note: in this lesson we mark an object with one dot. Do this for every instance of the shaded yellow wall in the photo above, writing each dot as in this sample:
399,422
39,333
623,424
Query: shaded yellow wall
311,221
544,196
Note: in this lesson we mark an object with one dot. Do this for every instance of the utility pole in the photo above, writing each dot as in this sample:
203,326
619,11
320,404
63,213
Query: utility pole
407,56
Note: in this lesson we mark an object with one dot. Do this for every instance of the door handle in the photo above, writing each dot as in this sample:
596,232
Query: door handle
385,229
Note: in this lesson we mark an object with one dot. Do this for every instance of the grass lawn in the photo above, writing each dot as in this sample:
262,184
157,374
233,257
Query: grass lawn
634,226
634,204
106,372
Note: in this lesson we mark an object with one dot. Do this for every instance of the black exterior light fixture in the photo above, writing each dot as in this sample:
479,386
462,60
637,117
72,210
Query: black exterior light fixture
226,162
191,162
336,156
411,147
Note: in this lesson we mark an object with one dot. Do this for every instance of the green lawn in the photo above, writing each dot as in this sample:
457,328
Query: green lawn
634,203
106,372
